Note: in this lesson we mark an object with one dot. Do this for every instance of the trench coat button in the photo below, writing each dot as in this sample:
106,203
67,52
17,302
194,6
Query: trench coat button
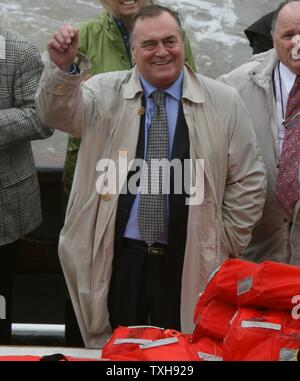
106,197
141,111
60,88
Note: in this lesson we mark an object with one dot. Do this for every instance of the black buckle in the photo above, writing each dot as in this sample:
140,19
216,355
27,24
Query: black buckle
156,250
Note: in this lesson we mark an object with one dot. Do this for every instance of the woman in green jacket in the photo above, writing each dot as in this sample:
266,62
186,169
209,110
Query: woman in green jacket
105,41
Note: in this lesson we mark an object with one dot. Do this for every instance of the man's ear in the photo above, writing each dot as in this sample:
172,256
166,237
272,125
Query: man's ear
133,56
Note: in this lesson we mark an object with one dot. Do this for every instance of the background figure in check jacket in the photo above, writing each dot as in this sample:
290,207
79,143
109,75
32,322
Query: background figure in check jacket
105,41
20,210
115,275
265,84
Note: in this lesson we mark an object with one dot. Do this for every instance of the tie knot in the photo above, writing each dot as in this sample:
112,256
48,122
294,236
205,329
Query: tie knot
158,97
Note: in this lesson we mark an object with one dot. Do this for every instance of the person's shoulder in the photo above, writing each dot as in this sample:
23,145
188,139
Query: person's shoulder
258,63
241,75
95,25
198,87
17,44
13,36
240,72
112,79
219,89
113,85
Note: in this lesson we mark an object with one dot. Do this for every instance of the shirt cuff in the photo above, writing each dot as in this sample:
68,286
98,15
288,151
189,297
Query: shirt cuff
73,69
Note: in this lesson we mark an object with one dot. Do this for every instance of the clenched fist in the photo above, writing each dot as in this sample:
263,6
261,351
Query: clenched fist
63,46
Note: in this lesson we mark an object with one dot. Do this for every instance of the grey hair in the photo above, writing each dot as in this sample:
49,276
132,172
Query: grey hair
277,11
154,11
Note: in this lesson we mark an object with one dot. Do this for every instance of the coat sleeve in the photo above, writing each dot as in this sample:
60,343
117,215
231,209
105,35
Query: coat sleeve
63,102
245,189
20,121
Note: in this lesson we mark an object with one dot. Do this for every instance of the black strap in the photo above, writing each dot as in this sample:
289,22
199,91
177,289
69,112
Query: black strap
125,36
54,357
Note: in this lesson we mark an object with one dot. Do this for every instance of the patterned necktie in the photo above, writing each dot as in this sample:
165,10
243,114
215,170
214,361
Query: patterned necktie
288,177
152,210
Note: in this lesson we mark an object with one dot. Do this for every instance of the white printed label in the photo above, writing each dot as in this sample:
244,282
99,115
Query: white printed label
145,326
209,357
287,354
244,285
159,343
258,324
132,341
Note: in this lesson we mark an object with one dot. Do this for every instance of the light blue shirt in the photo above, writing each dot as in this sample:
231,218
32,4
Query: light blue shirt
172,99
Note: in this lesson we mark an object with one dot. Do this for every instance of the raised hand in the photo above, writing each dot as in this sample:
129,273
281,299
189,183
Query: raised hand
63,46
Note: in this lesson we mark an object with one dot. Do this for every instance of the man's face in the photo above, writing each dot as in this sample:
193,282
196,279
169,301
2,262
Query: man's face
124,8
158,49
287,26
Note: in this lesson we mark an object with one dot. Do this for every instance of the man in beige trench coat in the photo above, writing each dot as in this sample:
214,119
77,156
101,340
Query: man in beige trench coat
264,84
107,113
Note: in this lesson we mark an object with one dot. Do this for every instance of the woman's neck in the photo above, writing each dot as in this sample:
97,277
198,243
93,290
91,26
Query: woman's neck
127,21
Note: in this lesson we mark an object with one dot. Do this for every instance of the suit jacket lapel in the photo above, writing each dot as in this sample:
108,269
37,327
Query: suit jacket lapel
181,142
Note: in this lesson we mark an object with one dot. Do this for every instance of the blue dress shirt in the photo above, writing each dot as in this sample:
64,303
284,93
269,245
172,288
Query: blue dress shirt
173,98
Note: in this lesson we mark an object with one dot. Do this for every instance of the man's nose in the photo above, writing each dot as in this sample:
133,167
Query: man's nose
161,49
296,40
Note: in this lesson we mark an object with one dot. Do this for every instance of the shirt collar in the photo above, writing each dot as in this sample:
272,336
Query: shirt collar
288,76
175,90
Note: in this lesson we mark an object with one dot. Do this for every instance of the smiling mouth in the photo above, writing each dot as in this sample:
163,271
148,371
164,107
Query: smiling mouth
162,63
128,2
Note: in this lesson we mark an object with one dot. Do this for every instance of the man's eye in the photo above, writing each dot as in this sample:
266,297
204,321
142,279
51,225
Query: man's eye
288,36
170,43
149,45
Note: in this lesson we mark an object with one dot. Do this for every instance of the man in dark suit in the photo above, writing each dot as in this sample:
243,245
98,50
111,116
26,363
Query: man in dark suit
20,211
